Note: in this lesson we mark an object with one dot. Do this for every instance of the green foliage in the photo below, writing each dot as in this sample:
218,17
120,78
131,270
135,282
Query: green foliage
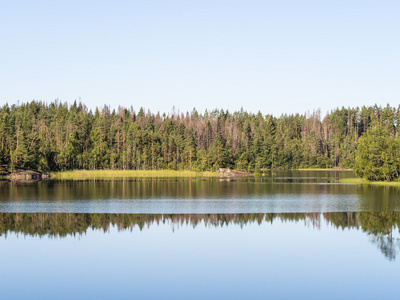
57,136
377,155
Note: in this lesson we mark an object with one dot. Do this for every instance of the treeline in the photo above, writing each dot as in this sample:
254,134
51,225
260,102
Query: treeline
380,226
59,136
64,224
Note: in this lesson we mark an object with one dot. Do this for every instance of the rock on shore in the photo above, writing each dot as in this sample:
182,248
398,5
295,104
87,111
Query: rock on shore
226,172
19,174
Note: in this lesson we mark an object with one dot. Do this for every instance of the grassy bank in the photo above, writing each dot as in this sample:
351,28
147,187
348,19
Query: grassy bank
365,181
322,169
89,174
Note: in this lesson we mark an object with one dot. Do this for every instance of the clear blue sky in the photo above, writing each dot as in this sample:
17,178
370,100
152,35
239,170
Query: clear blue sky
274,56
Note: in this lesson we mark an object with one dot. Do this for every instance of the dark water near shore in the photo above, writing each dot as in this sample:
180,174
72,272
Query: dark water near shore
293,235
284,192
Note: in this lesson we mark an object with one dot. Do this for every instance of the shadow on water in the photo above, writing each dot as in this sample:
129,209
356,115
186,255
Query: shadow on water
380,226
282,182
190,195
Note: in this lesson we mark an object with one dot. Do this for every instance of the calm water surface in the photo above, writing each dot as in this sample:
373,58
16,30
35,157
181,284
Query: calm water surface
283,192
290,235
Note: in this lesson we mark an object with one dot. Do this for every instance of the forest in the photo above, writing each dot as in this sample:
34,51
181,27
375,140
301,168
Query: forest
61,136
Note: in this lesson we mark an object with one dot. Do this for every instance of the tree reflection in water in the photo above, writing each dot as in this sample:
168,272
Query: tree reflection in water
379,225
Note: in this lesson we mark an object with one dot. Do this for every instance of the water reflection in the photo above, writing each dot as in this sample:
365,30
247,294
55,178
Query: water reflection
284,182
380,226
251,195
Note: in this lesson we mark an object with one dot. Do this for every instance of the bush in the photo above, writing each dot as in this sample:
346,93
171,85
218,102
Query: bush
377,156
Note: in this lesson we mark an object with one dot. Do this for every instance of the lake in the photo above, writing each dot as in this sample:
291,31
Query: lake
298,234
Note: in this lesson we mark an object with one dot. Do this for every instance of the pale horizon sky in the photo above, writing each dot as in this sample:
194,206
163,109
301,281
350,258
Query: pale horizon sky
270,56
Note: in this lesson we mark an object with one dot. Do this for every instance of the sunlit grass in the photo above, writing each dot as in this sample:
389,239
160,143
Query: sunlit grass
88,174
365,181
322,169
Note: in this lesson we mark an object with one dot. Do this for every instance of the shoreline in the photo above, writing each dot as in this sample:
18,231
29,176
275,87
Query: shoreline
119,174
103,174
362,181
321,169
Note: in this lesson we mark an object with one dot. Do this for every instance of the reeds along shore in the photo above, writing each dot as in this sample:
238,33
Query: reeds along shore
365,181
87,174
93,174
